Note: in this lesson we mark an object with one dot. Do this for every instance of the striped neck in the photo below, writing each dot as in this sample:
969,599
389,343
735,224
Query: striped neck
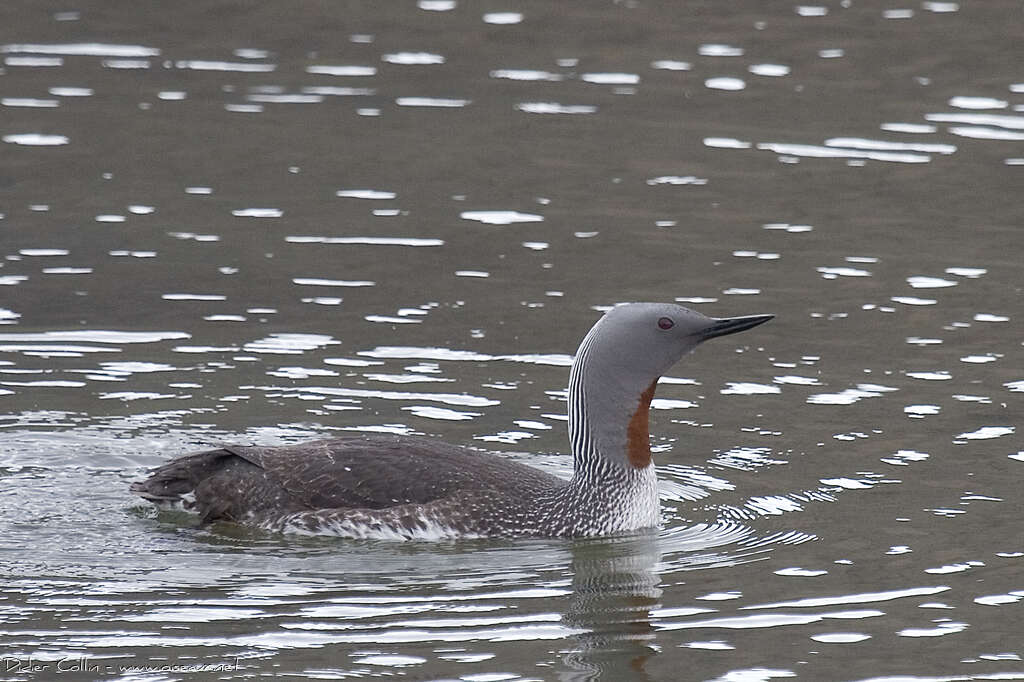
608,418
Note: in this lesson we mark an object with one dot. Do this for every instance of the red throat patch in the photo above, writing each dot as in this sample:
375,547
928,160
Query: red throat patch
638,435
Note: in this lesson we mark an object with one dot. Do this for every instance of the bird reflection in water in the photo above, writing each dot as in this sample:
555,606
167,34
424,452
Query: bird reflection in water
615,588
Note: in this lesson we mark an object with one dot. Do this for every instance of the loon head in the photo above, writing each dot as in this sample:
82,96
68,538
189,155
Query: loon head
617,367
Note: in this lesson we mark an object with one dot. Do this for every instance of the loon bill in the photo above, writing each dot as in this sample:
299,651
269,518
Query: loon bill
408,487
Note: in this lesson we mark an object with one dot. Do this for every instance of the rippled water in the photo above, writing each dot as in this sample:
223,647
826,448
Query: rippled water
270,223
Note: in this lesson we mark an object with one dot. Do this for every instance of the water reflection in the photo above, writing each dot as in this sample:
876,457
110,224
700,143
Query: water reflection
614,589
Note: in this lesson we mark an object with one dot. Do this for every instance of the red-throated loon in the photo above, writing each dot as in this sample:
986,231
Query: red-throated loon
405,487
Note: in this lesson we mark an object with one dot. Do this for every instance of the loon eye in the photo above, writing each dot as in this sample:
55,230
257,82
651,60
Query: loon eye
666,323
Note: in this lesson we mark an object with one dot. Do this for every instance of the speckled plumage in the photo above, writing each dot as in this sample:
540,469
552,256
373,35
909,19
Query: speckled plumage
410,487
398,487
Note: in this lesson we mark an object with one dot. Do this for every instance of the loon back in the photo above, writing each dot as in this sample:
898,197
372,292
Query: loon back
251,484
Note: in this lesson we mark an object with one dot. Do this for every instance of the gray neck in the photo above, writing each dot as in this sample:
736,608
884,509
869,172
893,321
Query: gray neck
601,405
